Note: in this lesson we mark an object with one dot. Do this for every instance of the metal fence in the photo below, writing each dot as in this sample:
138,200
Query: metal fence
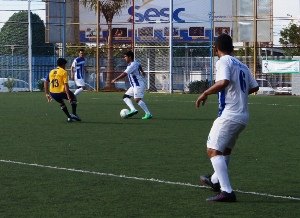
172,60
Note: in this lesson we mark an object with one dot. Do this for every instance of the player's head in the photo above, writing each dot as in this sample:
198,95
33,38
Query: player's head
223,44
61,62
81,52
129,56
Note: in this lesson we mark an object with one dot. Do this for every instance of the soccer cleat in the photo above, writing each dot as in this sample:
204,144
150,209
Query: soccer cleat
223,197
147,117
131,113
206,180
75,117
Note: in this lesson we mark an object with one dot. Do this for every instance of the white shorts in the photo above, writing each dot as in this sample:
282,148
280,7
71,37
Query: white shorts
223,134
136,91
79,82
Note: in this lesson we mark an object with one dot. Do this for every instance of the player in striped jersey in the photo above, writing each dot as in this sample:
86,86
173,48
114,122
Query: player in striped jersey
234,82
78,71
135,74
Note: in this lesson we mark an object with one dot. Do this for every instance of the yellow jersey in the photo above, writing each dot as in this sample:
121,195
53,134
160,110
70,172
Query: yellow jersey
57,78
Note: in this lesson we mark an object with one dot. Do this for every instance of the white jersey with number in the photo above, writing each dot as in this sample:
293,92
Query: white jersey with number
134,75
78,65
233,100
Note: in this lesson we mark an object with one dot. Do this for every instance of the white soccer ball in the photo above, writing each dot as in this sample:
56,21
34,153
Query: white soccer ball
124,113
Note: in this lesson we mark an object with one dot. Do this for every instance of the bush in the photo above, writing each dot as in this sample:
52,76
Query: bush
197,87
9,84
40,84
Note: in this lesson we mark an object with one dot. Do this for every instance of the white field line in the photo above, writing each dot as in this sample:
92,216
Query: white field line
140,179
215,102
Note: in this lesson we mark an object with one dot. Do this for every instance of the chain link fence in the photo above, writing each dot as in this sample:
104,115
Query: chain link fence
61,27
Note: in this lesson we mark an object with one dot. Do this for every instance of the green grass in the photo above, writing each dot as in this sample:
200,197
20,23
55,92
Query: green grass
170,147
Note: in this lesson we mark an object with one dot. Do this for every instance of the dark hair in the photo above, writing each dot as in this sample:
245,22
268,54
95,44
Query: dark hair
130,54
61,62
224,43
81,49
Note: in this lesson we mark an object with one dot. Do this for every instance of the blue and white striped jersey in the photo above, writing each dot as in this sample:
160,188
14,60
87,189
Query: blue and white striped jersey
233,100
134,75
78,65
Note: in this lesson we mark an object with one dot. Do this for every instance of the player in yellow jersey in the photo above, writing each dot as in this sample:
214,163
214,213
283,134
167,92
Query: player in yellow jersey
57,88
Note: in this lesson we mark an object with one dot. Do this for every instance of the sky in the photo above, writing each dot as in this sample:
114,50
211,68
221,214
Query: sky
9,7
287,9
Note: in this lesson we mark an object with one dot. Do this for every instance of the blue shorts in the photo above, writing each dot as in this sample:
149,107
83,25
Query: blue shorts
59,97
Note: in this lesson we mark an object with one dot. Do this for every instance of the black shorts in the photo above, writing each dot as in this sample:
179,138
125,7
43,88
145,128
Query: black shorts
59,97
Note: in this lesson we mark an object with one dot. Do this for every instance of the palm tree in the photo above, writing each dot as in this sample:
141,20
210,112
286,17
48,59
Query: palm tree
109,9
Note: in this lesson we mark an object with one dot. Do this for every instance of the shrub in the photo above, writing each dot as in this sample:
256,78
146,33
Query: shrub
197,87
40,84
9,84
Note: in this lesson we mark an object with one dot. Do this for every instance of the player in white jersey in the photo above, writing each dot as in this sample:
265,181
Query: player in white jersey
234,82
135,74
78,70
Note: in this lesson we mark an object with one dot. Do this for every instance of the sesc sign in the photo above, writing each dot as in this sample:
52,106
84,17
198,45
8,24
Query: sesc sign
154,14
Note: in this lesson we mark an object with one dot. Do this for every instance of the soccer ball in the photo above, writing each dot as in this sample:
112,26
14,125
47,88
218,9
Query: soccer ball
124,113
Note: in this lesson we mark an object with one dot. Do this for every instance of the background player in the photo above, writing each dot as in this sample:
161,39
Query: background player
136,79
78,71
234,83
56,87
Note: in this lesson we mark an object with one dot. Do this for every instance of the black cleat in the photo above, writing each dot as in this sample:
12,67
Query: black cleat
206,180
223,197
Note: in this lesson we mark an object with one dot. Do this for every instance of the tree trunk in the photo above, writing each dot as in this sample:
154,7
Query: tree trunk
110,67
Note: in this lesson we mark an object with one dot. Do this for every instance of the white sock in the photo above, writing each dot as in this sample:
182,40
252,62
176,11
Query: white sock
129,103
214,178
227,159
77,91
144,106
220,167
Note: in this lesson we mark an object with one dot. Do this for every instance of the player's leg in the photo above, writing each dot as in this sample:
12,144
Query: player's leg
127,99
143,105
221,141
78,90
207,180
216,144
215,148
138,97
59,97
80,86
219,164
211,180
214,178
227,152
73,103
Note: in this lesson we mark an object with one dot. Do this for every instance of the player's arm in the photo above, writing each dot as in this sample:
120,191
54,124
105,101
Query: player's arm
67,90
255,89
142,71
46,88
217,87
121,76
253,85
72,73
73,69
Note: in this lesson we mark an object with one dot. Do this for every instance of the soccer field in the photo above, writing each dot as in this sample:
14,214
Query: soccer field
106,166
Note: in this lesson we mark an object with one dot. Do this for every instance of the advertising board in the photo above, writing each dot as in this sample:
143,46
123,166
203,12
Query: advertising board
150,18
